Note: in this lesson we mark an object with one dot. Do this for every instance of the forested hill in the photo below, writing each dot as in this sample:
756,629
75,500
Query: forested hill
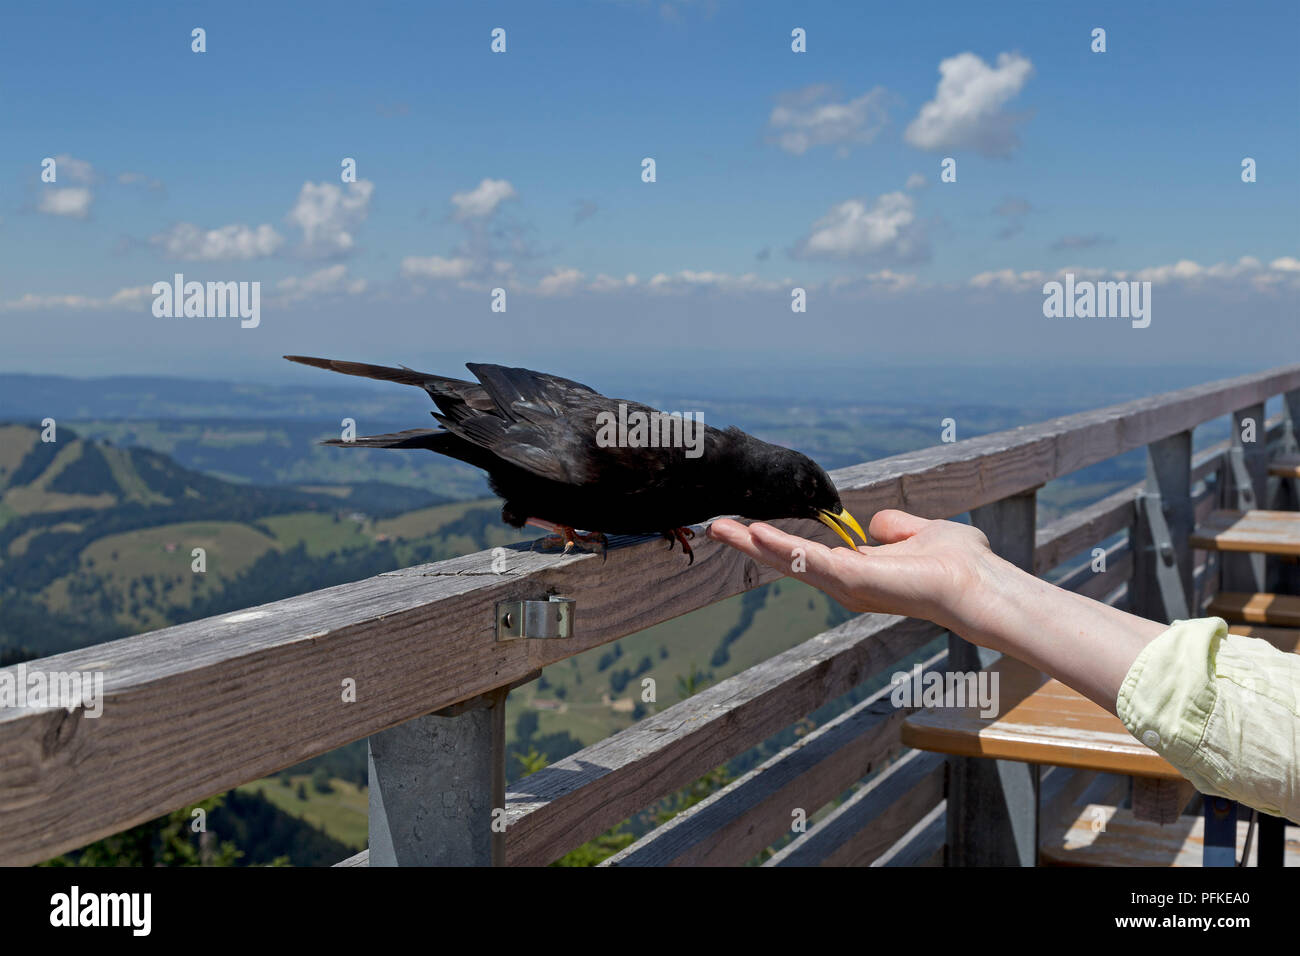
98,541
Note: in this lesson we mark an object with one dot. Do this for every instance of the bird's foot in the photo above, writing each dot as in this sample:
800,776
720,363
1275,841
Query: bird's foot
567,537
681,534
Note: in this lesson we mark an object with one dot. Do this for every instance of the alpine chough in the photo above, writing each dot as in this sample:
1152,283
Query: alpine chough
545,443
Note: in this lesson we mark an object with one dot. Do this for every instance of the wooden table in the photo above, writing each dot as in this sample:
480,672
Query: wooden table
1264,532
1044,722
1285,466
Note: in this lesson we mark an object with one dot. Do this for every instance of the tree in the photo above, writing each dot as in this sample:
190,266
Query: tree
532,761
320,780
166,841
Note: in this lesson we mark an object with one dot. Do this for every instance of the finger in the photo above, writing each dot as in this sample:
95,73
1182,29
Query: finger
819,566
765,543
736,535
891,525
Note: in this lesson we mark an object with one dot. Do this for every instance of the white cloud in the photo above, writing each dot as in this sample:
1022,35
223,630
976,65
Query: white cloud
131,296
436,267
1009,279
853,229
188,241
687,280
328,213
560,282
808,118
329,281
32,302
73,202
916,181
885,280
966,111
482,200
604,283
1183,269
1247,270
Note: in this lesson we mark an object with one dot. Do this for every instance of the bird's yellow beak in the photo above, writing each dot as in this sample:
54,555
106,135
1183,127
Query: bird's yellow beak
836,523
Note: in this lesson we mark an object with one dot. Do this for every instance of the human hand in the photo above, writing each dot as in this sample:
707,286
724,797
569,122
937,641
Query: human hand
923,568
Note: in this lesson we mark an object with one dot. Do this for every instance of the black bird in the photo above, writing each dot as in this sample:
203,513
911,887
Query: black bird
551,449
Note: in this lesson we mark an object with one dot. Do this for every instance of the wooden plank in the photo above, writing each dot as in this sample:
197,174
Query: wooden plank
575,799
871,821
731,826
1047,722
1040,722
951,479
1266,532
1099,584
1285,466
923,845
1082,529
1278,610
1104,835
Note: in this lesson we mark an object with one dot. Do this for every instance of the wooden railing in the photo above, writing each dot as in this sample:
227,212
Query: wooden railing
196,709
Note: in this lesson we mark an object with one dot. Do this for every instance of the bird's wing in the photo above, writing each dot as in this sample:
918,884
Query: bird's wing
534,422
521,394
449,394
531,424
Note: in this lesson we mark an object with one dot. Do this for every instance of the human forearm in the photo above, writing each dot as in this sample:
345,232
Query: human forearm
1086,644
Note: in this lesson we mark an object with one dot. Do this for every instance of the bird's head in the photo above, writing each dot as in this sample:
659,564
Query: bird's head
795,486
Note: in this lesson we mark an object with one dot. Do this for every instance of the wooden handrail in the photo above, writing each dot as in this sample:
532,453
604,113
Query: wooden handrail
198,708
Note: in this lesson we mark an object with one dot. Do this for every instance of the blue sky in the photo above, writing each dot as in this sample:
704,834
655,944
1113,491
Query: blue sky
522,171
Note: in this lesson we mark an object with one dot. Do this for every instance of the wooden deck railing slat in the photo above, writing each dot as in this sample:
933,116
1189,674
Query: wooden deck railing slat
735,823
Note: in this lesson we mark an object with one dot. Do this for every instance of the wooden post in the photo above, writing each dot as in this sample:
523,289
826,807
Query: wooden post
1161,589
434,784
993,804
1247,486
1289,492
1291,425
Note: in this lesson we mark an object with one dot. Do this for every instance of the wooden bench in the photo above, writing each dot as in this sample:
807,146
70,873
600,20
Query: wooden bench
1275,610
1263,532
1285,466
1095,834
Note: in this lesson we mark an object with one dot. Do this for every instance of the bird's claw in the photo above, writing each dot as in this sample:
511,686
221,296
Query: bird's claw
568,537
681,534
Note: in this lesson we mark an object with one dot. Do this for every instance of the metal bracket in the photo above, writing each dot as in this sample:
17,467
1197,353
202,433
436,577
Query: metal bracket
1240,485
1168,583
552,618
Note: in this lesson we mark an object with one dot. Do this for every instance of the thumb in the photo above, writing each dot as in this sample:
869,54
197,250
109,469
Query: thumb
889,526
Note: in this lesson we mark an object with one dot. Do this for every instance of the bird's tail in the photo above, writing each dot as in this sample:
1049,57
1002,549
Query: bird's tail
406,376
411,438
